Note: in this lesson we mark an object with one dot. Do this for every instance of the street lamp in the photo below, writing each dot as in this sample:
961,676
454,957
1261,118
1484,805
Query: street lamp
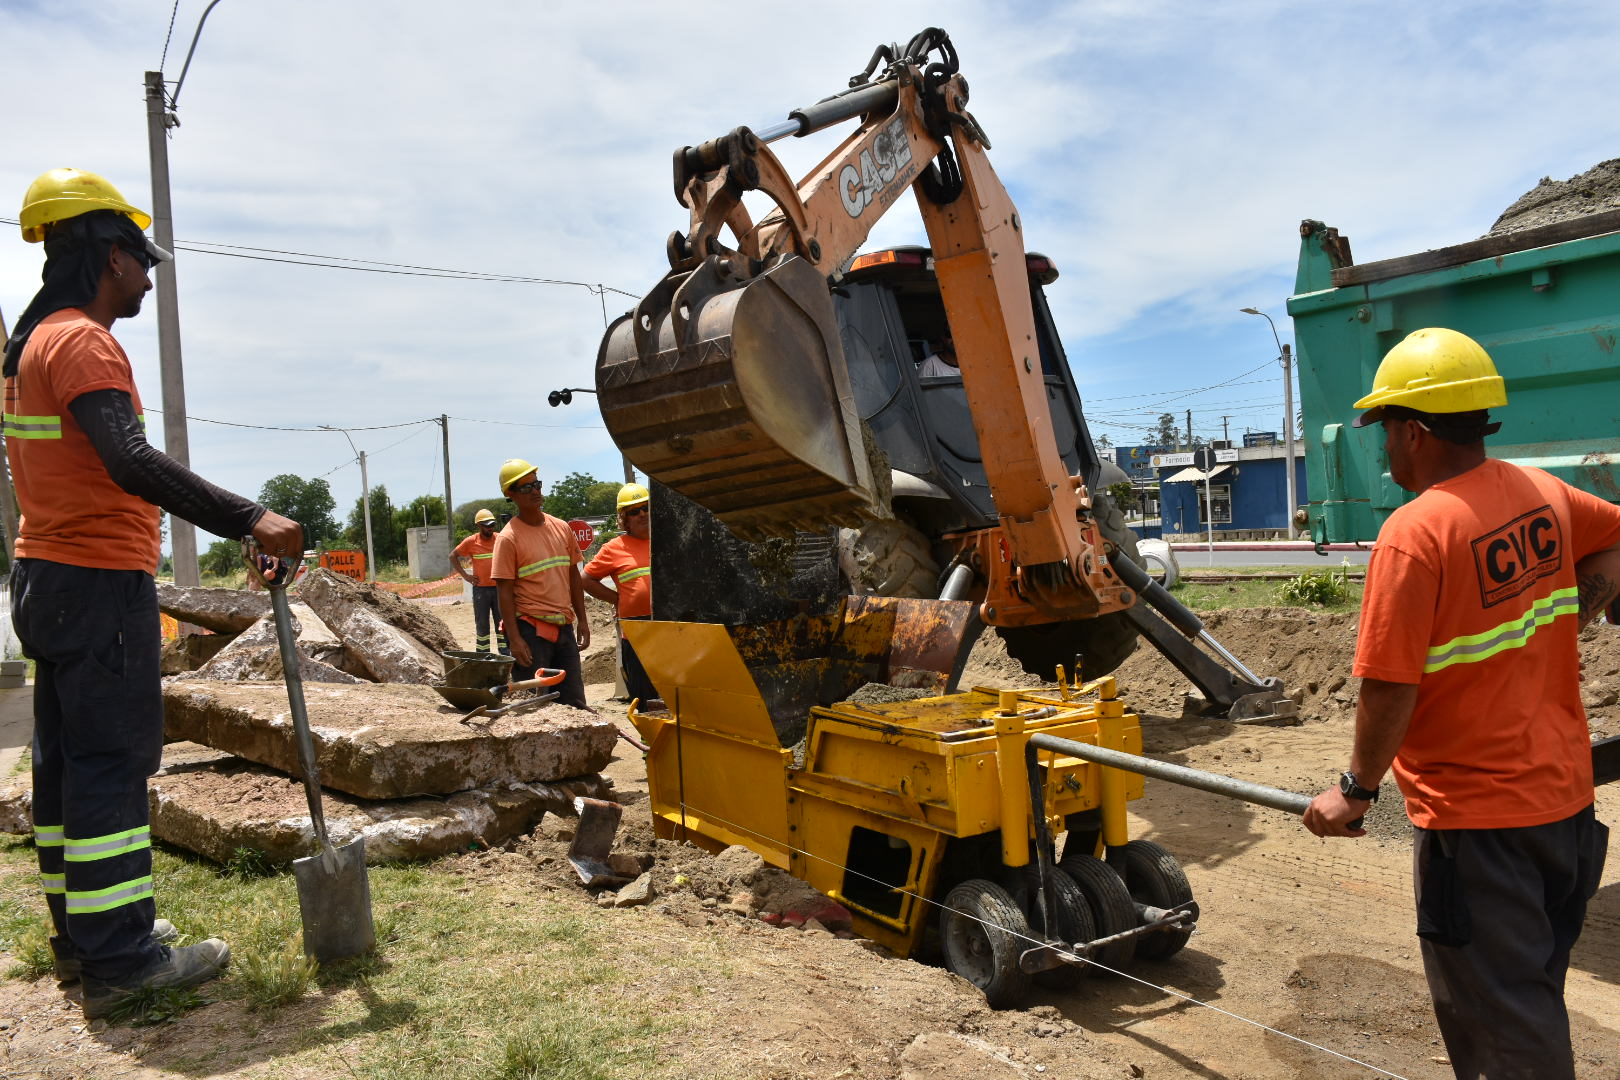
1288,412
565,396
365,502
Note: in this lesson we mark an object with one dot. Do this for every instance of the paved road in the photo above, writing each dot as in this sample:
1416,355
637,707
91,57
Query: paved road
1193,556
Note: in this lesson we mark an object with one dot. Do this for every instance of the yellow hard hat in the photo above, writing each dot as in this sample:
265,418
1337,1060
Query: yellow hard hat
483,516
513,470
1434,370
633,495
66,193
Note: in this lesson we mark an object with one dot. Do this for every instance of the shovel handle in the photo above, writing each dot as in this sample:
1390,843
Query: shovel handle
545,677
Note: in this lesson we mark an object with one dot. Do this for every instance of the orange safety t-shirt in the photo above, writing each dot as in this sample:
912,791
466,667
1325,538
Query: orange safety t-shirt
482,554
1471,595
72,511
539,559
629,561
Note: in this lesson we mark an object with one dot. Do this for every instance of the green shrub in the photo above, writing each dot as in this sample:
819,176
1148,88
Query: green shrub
1316,587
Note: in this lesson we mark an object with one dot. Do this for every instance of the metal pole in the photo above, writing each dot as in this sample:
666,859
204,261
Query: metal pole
1259,794
182,534
1288,426
1288,416
8,497
365,503
449,505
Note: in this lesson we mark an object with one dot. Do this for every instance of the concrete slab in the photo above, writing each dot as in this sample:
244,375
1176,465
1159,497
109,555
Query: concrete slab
256,654
387,740
188,652
371,630
224,611
218,805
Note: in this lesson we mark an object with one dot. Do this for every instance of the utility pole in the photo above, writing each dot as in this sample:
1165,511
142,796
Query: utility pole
449,504
1190,444
1226,430
365,503
8,497
176,443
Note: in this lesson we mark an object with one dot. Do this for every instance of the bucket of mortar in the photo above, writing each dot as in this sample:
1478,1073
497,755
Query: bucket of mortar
476,670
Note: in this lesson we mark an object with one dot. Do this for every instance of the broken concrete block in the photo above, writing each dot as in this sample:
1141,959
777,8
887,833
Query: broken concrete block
219,806
388,741
256,654
224,611
17,804
356,615
638,892
188,652
414,619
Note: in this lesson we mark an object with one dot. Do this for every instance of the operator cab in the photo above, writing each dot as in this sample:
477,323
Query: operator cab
897,342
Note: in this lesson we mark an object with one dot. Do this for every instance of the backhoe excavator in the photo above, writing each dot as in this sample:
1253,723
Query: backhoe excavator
770,386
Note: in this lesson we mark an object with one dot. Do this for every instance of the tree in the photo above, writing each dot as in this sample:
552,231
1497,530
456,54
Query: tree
382,526
1165,433
222,558
1103,442
580,495
424,510
308,502
495,504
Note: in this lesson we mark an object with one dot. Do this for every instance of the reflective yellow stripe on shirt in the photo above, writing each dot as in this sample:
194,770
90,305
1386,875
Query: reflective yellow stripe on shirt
556,562
1513,634
631,575
32,427
485,555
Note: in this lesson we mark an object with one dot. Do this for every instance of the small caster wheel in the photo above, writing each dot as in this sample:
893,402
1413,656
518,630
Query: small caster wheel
982,934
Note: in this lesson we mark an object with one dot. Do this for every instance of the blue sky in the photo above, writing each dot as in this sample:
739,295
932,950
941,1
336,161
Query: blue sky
1162,153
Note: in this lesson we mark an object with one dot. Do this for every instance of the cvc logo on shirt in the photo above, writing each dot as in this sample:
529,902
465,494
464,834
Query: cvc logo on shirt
1515,556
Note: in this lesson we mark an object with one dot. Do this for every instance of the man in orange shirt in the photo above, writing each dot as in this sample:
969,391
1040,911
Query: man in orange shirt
83,599
536,572
1469,665
627,559
479,550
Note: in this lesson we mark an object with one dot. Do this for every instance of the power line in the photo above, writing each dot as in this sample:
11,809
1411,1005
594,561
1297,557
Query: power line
378,266
172,13
270,427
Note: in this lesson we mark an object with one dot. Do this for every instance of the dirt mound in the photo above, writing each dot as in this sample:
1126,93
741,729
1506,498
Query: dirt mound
1592,192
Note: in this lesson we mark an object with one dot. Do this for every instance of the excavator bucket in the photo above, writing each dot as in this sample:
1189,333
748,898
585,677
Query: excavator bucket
735,394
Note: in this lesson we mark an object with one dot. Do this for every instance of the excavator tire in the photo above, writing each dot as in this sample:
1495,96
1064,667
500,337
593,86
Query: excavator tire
891,557
1103,643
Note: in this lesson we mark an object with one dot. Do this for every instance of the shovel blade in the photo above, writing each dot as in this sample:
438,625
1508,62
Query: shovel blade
334,899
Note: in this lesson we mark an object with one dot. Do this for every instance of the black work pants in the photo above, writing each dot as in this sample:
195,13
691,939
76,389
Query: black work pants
636,682
94,638
486,610
562,653
1498,912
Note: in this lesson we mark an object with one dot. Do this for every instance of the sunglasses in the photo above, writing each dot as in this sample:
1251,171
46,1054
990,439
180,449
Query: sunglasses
533,486
140,255
635,511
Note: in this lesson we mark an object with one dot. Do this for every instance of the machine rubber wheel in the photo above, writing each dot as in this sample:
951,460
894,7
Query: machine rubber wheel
982,932
1074,924
1103,643
1155,878
891,557
1112,909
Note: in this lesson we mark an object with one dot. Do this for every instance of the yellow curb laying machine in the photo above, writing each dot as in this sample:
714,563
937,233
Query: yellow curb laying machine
910,811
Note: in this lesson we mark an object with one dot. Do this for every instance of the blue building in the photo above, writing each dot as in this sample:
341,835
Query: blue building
1248,492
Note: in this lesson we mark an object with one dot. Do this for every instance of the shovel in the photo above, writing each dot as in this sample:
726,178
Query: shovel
334,895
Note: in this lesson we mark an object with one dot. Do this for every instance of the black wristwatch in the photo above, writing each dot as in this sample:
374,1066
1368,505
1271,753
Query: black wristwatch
1353,790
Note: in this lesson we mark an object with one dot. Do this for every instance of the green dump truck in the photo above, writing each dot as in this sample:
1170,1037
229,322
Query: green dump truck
1545,303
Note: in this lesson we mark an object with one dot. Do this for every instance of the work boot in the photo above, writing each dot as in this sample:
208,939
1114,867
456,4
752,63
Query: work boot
67,966
187,965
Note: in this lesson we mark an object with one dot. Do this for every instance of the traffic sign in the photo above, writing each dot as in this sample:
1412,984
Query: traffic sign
583,533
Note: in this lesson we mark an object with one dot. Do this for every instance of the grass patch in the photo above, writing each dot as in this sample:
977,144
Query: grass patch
472,978
1316,588
1220,595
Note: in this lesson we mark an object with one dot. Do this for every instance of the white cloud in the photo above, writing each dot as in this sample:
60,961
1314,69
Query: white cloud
1163,153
